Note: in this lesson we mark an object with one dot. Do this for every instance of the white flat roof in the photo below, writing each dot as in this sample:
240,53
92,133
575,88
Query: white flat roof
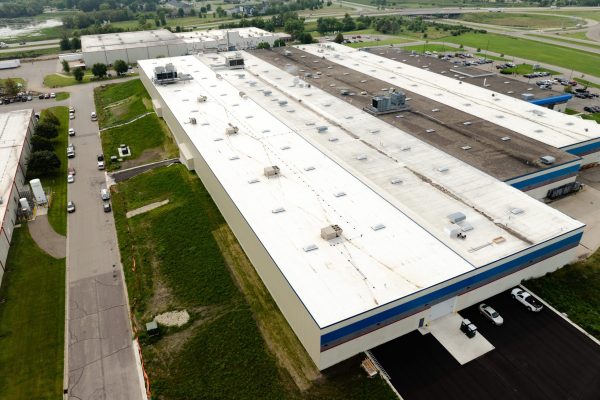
126,40
13,131
325,182
219,34
539,123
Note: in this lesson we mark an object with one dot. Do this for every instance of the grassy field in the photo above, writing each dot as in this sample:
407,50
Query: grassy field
221,349
62,80
574,35
595,15
547,53
57,181
60,96
148,137
567,42
515,20
384,42
31,322
574,290
440,48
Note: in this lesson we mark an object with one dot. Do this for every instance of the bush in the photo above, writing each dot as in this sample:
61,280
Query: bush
120,67
43,161
40,143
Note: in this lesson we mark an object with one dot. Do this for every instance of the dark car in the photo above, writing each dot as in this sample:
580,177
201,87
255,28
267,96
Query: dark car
106,207
41,96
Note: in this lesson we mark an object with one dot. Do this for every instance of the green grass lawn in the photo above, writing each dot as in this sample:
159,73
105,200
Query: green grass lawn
62,79
17,80
148,138
567,42
584,82
440,48
575,35
29,53
515,20
384,42
56,182
574,290
174,249
117,103
60,96
32,322
547,53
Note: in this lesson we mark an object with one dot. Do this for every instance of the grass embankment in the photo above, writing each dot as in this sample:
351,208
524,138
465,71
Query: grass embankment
515,20
574,290
179,264
566,41
32,322
56,182
148,137
28,53
532,50
62,79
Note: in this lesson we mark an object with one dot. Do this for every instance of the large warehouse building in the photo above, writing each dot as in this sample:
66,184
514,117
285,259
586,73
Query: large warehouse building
142,45
16,128
360,231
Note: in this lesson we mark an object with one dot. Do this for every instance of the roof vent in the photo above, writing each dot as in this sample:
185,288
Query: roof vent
466,147
443,169
548,160
233,158
278,210
396,181
309,168
321,129
231,130
273,170
457,217
378,227
310,247
517,211
429,130
505,138
361,157
192,120
331,232
253,180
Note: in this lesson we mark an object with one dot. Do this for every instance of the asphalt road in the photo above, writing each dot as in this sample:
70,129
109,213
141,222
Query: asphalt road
536,356
101,361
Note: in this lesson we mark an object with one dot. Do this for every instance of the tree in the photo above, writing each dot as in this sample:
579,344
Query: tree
348,23
75,43
180,12
65,66
41,143
46,130
339,38
99,70
50,118
263,45
11,87
219,12
305,38
43,161
279,43
78,74
65,43
120,67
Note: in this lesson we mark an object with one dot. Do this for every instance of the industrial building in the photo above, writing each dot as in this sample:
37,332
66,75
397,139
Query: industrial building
574,135
360,231
16,129
540,170
142,45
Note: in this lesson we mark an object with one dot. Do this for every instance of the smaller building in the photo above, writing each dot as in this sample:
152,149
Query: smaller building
16,129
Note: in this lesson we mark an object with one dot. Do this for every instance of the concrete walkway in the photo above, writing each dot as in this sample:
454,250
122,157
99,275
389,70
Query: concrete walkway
47,238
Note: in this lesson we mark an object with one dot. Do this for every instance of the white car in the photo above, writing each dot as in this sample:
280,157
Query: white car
71,132
526,299
71,116
100,165
70,207
490,314
71,109
52,95
70,178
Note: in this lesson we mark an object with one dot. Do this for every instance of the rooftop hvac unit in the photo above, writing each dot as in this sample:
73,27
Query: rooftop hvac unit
331,232
548,160
457,217
272,170
231,130
267,92
321,129
192,120
201,99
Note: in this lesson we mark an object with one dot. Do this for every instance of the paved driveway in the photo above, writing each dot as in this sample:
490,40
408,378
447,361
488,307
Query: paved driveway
101,361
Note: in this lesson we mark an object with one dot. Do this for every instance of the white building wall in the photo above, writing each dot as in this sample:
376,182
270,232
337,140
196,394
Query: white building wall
117,54
158,52
93,57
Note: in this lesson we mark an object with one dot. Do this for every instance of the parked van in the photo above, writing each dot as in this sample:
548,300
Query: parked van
105,194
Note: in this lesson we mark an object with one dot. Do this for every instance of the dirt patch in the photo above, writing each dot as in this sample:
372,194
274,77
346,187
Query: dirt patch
278,335
147,156
173,318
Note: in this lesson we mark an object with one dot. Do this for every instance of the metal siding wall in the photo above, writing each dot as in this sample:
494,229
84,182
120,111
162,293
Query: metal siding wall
288,302
541,192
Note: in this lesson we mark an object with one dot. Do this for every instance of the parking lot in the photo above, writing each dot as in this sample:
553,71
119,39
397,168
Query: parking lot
536,356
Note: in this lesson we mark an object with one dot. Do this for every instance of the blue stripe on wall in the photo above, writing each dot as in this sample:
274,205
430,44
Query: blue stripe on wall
583,150
545,179
394,314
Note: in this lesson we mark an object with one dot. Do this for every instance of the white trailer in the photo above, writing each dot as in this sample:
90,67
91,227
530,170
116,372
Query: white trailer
7,64
38,191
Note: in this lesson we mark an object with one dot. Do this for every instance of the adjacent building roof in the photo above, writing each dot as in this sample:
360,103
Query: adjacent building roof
13,132
340,166
553,128
126,40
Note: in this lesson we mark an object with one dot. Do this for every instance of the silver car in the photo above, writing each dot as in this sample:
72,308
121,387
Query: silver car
490,314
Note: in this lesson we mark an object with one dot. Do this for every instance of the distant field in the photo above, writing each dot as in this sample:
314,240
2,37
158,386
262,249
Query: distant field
379,43
440,48
595,15
537,51
567,42
575,35
534,21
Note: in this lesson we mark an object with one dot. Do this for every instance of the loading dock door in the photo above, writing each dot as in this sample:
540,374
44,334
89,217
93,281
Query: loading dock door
444,308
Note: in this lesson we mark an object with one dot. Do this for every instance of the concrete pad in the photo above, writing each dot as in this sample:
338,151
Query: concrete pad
447,331
146,208
584,206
